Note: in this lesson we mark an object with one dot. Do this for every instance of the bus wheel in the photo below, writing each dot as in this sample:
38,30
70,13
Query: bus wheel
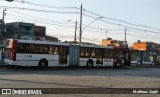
43,63
138,63
89,63
118,65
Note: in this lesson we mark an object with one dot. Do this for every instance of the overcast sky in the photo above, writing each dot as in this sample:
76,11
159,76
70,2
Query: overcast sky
138,12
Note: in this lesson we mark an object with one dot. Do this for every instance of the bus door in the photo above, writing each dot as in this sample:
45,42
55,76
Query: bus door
63,52
127,58
99,57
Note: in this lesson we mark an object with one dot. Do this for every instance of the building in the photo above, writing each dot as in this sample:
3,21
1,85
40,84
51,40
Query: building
110,42
145,51
27,31
146,46
19,30
49,38
39,32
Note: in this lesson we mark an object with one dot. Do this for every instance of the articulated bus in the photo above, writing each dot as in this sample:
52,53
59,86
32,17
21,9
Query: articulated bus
49,54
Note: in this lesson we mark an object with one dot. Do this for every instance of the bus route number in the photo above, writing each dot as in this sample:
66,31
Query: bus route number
28,56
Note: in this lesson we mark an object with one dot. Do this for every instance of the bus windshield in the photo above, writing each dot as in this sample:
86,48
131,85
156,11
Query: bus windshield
118,54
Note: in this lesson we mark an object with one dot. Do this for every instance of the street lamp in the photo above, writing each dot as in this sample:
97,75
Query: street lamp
91,23
80,36
75,30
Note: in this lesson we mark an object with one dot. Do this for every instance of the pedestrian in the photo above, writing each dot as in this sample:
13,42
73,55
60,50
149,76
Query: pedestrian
2,58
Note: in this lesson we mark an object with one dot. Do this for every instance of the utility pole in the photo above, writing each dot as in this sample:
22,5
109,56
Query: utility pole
3,24
75,31
125,38
106,34
80,31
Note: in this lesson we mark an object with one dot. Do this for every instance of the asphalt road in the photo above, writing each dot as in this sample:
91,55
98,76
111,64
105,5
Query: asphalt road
80,78
132,72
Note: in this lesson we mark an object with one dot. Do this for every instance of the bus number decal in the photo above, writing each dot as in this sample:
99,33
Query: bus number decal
28,56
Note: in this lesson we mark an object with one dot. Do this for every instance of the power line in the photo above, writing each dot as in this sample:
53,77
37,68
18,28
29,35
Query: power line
42,5
122,25
57,24
91,40
66,30
46,23
40,21
49,6
73,26
118,20
90,27
37,10
40,18
61,36
83,14
141,36
76,12
141,33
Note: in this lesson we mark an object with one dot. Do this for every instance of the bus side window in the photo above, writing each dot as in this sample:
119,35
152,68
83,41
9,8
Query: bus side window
32,48
26,48
93,53
53,50
50,50
83,52
87,53
43,49
20,48
108,53
47,49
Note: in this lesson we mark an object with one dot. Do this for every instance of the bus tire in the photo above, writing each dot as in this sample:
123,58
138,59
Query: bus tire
43,63
138,63
90,63
118,65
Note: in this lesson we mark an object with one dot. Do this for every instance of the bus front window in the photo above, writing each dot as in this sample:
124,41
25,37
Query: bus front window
118,55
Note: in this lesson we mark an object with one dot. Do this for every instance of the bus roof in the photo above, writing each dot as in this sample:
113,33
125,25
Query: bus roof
121,48
61,43
43,42
97,46
67,44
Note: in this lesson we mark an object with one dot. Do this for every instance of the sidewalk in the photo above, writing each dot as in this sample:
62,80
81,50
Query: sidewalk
145,66
3,65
